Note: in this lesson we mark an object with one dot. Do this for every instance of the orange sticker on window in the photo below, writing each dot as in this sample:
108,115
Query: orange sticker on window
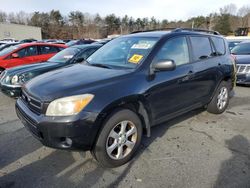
135,59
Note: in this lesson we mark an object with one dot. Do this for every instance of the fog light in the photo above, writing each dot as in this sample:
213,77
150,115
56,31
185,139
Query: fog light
66,142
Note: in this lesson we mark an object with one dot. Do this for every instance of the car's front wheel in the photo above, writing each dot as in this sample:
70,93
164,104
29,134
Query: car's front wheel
119,138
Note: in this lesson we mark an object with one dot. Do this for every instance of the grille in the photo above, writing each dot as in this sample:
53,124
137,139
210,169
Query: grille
242,69
2,75
29,123
32,103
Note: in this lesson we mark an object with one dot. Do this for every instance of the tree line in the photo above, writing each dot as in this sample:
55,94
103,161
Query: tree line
77,24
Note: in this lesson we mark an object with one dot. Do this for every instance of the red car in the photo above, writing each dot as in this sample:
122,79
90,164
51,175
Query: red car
23,54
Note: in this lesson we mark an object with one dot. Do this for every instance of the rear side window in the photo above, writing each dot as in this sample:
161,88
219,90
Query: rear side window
219,45
22,52
48,49
175,49
201,48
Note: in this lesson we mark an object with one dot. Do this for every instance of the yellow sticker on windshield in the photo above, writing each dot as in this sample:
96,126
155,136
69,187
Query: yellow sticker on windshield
135,59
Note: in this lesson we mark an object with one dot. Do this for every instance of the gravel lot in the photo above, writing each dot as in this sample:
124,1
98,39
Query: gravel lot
196,150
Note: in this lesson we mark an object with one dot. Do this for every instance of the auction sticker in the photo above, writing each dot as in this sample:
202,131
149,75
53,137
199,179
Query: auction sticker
136,58
141,46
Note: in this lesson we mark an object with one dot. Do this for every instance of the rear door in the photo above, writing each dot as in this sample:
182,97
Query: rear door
205,63
171,92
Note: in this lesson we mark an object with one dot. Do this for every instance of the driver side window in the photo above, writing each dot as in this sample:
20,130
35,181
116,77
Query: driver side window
174,49
21,53
28,51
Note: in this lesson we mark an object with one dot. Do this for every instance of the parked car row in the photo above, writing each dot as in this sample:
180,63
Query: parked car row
13,79
27,53
6,45
68,42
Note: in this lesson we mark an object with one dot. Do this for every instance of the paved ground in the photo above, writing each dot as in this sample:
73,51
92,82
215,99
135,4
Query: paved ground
195,150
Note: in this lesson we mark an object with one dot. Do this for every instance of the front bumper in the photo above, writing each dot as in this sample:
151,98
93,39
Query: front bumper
56,132
11,91
243,79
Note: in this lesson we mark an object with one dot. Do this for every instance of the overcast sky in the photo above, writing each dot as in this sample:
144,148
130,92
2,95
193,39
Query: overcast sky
160,9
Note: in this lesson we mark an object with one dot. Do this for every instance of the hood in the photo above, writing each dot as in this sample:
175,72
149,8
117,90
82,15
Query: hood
37,67
71,80
242,59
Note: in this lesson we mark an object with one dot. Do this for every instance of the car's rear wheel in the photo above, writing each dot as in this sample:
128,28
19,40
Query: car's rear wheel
119,139
220,100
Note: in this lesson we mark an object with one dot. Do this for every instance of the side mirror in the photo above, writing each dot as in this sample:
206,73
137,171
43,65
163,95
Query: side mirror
79,60
164,65
15,55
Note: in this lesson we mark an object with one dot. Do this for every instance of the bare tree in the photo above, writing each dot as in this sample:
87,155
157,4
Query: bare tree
229,9
3,16
244,14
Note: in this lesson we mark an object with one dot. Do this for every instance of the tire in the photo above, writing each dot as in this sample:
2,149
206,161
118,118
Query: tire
220,100
115,147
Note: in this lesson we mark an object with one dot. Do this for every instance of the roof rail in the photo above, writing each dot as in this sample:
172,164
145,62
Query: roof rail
179,30
159,29
196,30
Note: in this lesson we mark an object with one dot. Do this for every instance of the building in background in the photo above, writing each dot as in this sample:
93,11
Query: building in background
19,32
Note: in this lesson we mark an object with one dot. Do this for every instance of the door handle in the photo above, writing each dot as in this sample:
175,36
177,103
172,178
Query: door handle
189,76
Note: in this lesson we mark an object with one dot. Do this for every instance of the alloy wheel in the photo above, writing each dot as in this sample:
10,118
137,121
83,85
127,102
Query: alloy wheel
121,140
222,98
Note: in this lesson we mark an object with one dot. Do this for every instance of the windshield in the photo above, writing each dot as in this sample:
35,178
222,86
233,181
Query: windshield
125,52
241,49
64,55
8,50
232,44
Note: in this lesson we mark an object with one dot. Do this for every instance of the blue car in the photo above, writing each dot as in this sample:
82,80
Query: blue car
242,58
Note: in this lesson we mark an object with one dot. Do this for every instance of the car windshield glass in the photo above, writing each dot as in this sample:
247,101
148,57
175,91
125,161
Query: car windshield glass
64,55
124,52
8,50
241,49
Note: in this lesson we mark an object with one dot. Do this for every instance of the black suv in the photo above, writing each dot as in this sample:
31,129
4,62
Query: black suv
129,85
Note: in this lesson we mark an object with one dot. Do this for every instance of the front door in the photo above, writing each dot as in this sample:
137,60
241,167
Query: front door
170,92
26,56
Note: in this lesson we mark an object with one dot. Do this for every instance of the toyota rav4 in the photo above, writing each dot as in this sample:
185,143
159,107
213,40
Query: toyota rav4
129,85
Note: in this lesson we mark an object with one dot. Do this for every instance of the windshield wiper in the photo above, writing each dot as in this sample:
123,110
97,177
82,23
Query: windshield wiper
100,65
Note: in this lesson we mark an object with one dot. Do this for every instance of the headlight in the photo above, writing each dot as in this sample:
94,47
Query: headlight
69,105
14,80
23,78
